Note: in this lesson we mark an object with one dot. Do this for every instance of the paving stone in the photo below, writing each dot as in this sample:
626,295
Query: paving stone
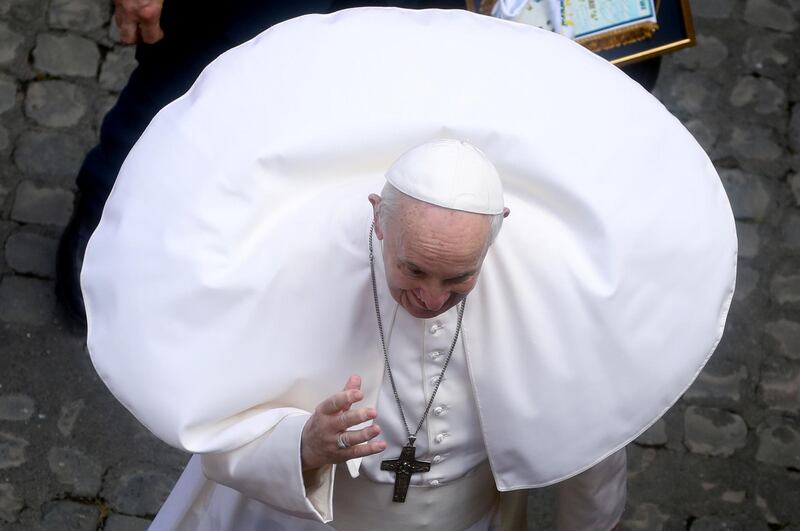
80,15
138,492
31,254
55,103
656,435
69,516
26,10
12,450
768,14
790,232
118,522
753,142
733,496
785,335
721,381
785,289
779,442
5,138
748,193
52,155
794,183
762,93
26,300
10,44
780,385
11,503
714,432
645,517
689,92
714,523
8,93
639,460
703,131
746,282
48,206
776,496
16,407
68,416
794,129
769,516
80,473
708,53
713,8
765,49
66,55
748,239
117,68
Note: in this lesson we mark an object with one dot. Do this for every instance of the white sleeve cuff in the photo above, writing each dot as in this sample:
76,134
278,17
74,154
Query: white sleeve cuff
270,470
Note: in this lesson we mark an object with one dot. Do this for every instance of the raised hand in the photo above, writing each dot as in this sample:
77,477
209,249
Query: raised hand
139,20
326,431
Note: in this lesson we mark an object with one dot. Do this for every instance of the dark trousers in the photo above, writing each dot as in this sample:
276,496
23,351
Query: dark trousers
195,33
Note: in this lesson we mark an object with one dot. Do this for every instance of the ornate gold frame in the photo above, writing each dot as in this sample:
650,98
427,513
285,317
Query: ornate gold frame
688,28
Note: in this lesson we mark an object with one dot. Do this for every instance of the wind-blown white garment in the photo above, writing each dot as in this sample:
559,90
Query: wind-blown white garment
450,439
225,283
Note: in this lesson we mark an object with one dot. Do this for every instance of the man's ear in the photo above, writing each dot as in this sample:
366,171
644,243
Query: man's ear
375,201
506,211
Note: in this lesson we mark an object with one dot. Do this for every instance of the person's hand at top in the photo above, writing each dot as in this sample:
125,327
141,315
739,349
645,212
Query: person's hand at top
139,20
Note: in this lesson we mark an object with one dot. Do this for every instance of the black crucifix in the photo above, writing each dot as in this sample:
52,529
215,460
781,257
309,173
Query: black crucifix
403,467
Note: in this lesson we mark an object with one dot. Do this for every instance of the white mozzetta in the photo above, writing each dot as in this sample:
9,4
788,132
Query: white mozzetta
228,284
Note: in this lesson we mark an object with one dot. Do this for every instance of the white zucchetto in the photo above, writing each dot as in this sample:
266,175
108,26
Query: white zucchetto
451,174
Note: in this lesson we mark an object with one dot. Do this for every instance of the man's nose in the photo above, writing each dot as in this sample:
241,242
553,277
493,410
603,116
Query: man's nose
433,299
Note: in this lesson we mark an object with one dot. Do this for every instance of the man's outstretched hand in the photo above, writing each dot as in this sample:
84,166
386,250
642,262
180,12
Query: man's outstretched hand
332,417
139,20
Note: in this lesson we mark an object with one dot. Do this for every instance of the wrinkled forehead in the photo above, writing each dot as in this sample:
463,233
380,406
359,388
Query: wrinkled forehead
425,229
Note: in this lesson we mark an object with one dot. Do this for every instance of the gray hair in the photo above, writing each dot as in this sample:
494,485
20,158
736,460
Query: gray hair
391,197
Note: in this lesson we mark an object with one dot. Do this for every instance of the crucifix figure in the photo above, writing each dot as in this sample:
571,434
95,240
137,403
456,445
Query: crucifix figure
403,468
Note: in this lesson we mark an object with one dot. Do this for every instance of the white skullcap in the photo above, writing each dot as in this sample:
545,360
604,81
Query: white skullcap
451,174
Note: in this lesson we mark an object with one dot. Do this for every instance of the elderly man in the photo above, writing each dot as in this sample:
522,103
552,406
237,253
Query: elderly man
425,461
424,431
329,365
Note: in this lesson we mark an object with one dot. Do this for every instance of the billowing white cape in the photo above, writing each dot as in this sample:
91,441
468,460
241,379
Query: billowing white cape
228,282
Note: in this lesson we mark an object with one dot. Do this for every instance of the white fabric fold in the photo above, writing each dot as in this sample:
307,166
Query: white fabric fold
227,285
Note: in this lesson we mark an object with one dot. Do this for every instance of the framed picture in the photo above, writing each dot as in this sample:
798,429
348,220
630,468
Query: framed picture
625,32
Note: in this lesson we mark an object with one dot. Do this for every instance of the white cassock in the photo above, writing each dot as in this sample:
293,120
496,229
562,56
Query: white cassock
228,291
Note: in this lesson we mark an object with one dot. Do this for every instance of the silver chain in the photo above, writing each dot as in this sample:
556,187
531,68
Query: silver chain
411,436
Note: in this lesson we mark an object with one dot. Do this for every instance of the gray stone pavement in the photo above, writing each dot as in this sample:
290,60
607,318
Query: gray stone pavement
726,457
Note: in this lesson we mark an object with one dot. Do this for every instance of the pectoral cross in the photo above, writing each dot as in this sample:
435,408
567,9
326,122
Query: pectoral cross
403,467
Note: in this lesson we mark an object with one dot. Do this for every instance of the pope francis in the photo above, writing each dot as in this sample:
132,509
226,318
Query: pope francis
405,363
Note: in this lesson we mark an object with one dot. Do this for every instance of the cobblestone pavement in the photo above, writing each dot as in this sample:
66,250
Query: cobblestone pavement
727,456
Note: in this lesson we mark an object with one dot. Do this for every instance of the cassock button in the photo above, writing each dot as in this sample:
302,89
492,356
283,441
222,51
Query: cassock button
437,459
434,380
434,483
435,327
439,410
435,355
440,438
